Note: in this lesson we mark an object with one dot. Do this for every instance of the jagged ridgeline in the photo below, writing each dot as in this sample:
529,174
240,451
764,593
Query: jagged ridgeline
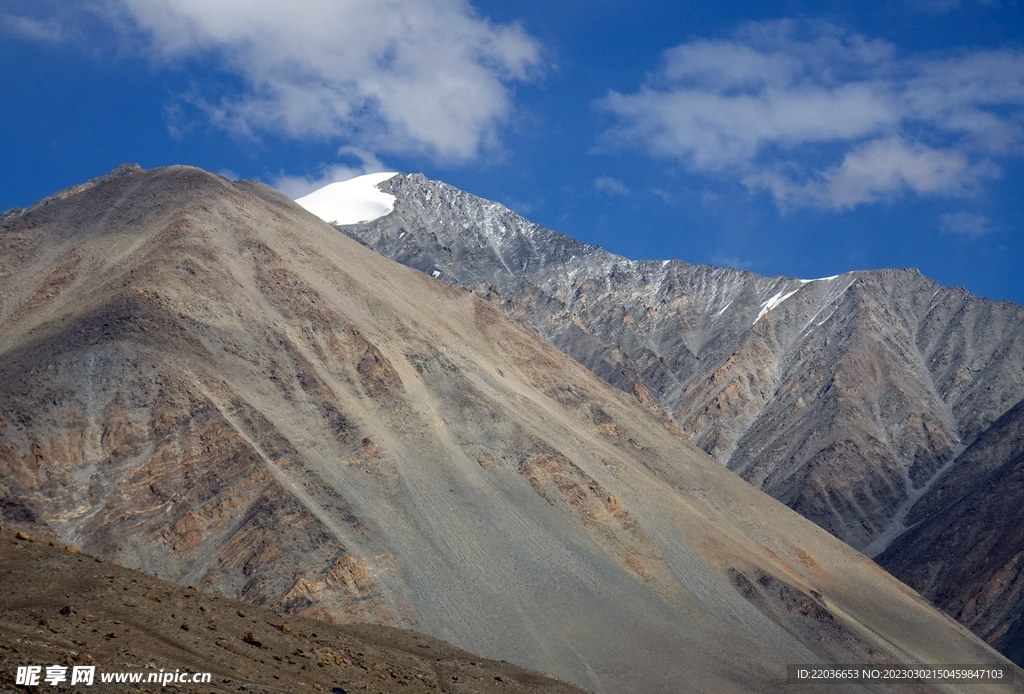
202,380
861,401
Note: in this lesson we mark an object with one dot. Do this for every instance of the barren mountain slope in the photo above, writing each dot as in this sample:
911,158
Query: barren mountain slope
841,397
200,379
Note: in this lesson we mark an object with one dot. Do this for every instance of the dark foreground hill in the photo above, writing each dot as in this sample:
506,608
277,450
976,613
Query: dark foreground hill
58,606
201,380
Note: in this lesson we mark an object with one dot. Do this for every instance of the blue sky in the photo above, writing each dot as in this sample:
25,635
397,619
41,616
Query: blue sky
798,138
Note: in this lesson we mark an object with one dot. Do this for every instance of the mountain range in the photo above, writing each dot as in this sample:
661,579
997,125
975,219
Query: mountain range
202,380
877,404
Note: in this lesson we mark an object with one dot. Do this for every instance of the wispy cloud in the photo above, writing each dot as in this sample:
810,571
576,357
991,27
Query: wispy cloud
723,260
423,76
936,6
297,186
819,117
41,30
940,6
610,186
965,224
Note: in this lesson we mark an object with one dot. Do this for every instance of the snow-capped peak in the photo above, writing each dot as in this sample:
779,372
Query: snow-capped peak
351,202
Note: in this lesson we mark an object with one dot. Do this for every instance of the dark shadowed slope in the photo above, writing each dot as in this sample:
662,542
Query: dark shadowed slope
965,549
199,379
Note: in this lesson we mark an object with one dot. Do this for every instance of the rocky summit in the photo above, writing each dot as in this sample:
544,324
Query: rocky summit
201,380
861,401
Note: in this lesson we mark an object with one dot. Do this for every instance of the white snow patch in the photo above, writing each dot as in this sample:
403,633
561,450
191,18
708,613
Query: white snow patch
435,273
351,202
773,302
819,279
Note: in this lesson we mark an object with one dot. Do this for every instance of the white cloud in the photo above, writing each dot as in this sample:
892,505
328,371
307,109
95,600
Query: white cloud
610,186
877,170
965,224
823,118
298,186
423,76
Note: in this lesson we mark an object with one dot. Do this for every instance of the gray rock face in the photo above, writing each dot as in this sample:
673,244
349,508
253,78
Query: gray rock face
842,397
965,549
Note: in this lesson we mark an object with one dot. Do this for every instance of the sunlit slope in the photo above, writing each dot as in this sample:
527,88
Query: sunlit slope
201,379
